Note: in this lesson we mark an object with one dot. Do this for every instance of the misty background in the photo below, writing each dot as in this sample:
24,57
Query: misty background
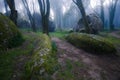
64,14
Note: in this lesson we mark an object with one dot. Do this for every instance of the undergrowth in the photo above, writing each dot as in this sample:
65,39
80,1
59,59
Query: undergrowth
8,59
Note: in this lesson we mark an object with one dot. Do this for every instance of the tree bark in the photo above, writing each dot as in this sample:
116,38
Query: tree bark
31,18
112,11
45,12
14,14
102,12
82,10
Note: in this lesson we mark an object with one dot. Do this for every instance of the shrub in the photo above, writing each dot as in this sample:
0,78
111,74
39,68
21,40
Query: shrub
91,43
9,34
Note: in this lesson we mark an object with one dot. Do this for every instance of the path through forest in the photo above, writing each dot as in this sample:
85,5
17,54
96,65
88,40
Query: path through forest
116,34
90,66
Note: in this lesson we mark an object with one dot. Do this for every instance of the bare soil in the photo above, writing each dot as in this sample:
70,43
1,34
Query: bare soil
96,67
116,34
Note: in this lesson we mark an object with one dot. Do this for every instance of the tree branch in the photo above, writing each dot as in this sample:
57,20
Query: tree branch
74,2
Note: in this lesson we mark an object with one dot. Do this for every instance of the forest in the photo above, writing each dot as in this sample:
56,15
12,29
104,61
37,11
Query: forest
59,39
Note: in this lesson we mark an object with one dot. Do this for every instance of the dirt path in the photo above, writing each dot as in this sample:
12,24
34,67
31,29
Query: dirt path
116,34
90,67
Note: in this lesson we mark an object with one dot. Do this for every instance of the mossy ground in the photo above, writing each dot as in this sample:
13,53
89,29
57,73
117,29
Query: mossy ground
77,64
10,36
114,40
10,57
43,62
91,43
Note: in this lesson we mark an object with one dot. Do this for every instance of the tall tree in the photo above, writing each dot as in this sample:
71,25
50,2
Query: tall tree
82,10
5,3
112,10
45,12
13,15
102,11
30,15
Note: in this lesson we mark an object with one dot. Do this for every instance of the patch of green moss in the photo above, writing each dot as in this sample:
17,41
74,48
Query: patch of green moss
43,62
91,43
9,34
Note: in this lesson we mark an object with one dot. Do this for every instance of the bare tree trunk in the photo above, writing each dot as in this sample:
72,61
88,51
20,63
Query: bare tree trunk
112,10
82,10
5,3
102,12
45,12
31,18
13,15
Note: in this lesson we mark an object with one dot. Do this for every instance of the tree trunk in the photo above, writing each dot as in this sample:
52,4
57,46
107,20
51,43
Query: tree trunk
45,12
31,18
112,11
14,14
102,12
82,10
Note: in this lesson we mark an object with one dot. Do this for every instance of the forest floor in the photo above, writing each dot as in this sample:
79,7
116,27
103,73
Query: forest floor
116,34
77,64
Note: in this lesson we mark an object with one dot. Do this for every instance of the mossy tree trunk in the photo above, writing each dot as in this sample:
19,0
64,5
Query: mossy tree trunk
82,10
45,12
13,15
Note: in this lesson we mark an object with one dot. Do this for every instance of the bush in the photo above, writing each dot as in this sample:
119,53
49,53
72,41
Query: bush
43,62
91,43
9,34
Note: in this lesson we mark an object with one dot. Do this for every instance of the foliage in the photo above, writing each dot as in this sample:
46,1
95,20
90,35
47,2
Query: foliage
91,43
43,63
9,35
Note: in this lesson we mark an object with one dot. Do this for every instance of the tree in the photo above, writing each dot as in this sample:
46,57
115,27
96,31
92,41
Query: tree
82,10
31,18
45,12
5,3
102,11
112,10
13,15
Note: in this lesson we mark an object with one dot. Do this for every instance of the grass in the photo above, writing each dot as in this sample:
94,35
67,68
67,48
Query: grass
112,39
109,37
58,34
115,41
8,59
68,72
55,34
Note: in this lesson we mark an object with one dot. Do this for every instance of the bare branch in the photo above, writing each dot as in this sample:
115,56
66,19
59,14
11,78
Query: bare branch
74,2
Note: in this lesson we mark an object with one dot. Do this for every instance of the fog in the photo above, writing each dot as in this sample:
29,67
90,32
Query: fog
64,13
